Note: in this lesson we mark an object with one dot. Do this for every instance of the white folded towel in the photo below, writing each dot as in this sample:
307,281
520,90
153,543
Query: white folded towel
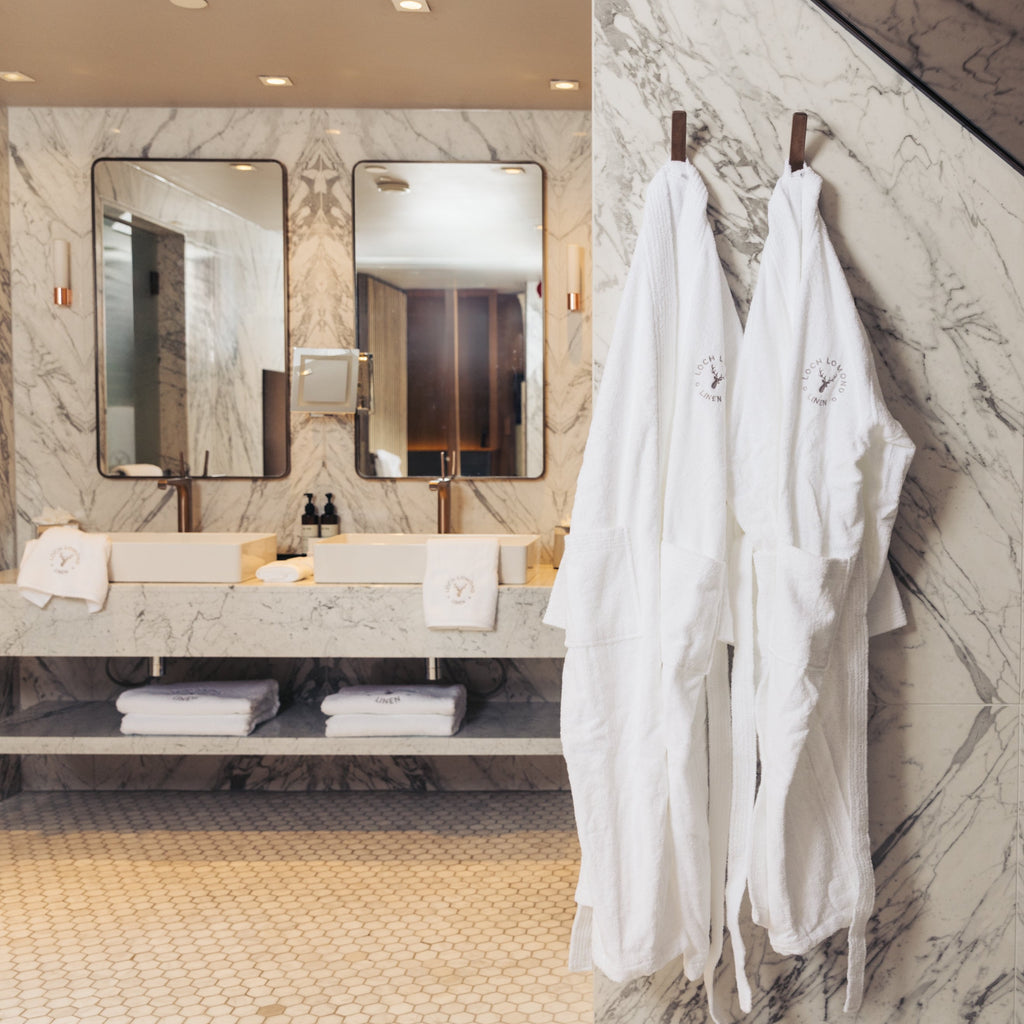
237,697
392,725
460,583
286,570
65,562
138,469
421,699
138,724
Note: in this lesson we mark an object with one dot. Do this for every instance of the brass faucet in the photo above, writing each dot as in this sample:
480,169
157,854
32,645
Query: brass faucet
183,485
443,486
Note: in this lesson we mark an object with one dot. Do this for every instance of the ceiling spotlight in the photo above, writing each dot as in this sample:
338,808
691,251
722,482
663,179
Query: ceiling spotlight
412,6
15,76
276,80
512,169
243,167
192,5
564,84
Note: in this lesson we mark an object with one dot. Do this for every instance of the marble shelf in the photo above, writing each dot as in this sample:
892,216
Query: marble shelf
93,727
256,619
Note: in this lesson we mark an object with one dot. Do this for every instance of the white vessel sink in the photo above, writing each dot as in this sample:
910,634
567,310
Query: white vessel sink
402,557
189,557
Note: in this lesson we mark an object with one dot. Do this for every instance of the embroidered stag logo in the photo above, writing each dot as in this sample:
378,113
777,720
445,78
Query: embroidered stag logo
716,378
825,381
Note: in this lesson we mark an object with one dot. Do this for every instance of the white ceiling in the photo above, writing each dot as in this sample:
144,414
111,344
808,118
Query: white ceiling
465,54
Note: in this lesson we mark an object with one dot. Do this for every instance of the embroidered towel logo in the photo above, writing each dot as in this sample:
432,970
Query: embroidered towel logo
709,378
824,381
64,560
459,589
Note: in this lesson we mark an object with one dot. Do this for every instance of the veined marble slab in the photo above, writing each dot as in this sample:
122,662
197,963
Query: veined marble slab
93,727
253,619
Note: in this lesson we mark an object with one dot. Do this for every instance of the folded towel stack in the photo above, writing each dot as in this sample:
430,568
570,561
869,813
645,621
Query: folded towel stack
198,709
417,710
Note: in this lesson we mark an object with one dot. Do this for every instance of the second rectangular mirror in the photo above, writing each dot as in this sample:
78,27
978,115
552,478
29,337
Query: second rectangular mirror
449,260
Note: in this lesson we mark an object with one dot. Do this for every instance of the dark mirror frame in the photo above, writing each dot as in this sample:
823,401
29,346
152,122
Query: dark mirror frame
276,403
361,425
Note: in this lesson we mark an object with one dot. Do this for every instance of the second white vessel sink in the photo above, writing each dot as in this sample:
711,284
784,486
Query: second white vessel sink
189,557
402,557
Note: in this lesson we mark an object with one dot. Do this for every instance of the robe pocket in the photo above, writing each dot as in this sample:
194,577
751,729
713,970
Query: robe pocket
803,596
692,598
601,592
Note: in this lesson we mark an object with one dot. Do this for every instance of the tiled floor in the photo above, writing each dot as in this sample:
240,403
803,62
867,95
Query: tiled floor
288,908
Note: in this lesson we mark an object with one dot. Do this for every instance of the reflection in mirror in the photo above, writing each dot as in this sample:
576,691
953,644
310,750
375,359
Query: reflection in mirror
191,308
449,259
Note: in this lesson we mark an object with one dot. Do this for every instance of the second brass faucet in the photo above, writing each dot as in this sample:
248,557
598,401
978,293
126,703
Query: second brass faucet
443,486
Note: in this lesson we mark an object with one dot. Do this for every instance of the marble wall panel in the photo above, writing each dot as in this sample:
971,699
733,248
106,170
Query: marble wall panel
7,502
971,54
52,151
941,943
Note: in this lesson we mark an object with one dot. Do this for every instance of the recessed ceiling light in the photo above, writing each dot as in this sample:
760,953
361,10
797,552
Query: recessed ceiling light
276,80
15,76
412,6
512,169
565,84
243,167
192,5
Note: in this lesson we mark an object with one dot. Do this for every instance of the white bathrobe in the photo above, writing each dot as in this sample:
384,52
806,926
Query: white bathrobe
816,472
640,593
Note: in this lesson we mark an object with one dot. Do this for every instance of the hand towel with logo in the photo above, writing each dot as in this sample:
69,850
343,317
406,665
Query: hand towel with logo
460,583
66,562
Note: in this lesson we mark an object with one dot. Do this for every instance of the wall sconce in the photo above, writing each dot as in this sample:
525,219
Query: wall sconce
61,273
574,277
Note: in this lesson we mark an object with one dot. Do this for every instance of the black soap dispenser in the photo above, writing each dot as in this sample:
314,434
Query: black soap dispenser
310,525
330,524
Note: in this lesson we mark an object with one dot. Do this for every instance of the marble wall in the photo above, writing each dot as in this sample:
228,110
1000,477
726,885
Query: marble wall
51,153
7,559
930,226
52,150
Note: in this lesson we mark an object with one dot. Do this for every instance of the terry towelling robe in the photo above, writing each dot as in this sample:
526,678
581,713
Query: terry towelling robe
817,467
640,594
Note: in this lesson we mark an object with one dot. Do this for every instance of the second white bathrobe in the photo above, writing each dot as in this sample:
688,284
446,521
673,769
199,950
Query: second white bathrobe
640,594
817,468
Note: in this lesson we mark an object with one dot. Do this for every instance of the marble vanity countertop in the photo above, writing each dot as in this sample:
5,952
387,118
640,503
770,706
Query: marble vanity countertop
288,620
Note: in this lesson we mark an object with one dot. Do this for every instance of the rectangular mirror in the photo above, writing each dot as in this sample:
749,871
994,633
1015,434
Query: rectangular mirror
449,260
191,317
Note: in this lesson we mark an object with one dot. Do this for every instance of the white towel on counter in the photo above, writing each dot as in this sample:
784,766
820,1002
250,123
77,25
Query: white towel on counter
420,699
392,725
236,697
137,469
140,724
66,562
286,570
460,583
817,468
